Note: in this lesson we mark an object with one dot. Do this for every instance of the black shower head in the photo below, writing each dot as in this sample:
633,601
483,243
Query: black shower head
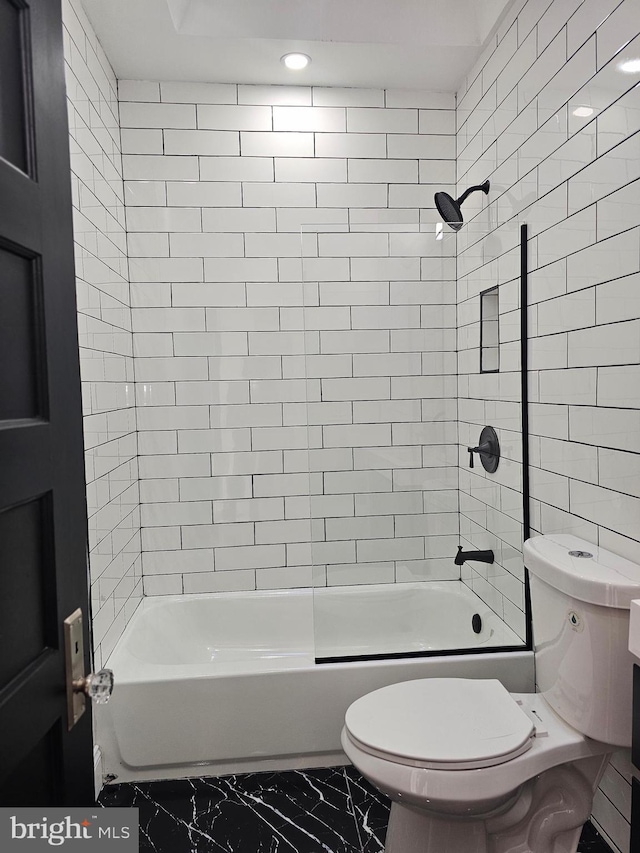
450,208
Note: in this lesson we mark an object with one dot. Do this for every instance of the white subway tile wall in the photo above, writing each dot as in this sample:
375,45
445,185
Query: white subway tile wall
104,324
551,118
238,325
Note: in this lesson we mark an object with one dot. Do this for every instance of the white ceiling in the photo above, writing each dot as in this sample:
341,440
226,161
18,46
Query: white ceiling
409,44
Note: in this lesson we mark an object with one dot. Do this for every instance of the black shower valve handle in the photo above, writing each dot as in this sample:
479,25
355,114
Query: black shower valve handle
485,447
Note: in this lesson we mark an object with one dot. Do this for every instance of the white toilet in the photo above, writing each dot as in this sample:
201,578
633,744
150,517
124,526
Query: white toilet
471,768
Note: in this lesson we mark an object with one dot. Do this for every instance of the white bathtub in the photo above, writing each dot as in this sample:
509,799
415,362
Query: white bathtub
225,683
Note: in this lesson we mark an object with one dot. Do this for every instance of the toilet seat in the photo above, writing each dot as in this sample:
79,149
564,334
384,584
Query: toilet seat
441,723
454,790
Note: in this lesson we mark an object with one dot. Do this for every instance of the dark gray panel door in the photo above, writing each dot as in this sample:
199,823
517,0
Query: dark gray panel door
43,522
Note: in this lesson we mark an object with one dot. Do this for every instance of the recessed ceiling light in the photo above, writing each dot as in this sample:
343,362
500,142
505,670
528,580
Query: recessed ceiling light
296,61
630,66
583,112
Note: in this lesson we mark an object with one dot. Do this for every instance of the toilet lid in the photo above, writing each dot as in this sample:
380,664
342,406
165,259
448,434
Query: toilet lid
444,723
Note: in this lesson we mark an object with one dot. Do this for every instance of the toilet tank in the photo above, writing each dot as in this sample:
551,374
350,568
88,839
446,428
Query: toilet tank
580,600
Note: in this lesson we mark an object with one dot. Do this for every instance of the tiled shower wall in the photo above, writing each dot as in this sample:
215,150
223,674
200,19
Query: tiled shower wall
550,114
104,324
219,180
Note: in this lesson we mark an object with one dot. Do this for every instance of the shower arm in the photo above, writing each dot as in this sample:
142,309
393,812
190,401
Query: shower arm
465,195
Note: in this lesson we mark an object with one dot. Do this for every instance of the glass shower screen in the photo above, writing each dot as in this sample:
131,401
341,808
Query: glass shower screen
381,366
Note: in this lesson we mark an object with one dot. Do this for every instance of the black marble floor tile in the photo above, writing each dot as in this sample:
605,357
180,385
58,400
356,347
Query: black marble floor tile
591,841
371,809
328,810
289,812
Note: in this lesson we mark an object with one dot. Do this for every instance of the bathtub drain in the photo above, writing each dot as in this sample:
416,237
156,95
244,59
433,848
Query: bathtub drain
476,623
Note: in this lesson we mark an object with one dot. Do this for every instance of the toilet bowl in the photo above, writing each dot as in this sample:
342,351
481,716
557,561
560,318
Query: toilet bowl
471,768
507,773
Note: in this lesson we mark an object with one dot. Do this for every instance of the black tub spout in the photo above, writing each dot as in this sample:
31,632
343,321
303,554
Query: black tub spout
480,556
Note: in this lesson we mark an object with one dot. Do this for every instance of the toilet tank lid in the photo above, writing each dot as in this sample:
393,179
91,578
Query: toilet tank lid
603,578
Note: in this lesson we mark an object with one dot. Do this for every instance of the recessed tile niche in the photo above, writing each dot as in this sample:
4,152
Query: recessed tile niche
489,336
